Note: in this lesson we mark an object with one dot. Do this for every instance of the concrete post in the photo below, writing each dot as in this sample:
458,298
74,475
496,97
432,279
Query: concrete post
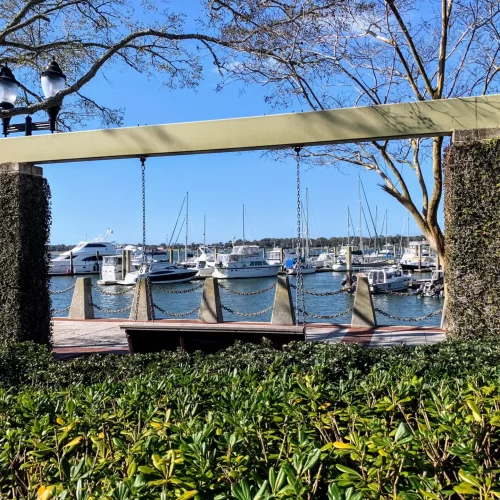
81,303
128,261
210,308
25,306
142,305
363,314
124,257
283,310
171,255
348,262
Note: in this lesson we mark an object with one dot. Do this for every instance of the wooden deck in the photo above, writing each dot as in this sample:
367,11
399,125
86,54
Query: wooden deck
76,338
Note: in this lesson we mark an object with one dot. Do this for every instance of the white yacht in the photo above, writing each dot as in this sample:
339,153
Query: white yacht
325,259
410,259
111,271
275,255
387,279
245,261
159,272
87,257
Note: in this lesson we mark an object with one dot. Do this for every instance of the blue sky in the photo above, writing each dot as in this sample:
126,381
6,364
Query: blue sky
88,198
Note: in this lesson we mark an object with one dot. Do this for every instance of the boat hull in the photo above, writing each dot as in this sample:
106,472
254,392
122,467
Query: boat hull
303,270
245,272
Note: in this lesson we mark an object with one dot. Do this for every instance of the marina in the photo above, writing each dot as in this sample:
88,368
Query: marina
178,303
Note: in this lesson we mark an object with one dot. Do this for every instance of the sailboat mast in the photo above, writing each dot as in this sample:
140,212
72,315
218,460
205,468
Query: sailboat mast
348,228
243,224
204,229
408,228
187,224
307,223
360,216
386,240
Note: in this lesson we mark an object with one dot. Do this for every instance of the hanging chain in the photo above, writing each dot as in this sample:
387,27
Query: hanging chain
143,173
299,291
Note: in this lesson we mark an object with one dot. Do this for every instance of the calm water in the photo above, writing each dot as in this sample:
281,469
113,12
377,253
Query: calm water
319,282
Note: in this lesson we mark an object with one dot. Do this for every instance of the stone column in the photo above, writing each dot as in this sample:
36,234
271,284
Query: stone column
283,310
210,307
24,260
363,314
472,235
142,304
81,303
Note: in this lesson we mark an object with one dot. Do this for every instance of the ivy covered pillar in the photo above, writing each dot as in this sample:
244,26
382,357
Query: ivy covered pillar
24,235
472,234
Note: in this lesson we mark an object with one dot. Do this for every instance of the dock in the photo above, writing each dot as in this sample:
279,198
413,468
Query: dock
73,338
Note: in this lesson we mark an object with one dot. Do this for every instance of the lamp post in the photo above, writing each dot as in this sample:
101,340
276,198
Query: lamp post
52,81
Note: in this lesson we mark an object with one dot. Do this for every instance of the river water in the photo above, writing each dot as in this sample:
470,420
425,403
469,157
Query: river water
320,282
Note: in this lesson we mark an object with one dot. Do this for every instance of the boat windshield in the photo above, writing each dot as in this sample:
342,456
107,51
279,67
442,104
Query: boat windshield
245,250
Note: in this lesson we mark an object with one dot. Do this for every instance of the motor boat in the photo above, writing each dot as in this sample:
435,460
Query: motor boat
358,264
202,263
111,270
245,261
159,272
434,287
86,257
306,267
280,255
410,260
325,259
388,280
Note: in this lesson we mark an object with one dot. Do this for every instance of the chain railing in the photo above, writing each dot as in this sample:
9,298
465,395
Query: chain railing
57,292
322,294
60,311
236,292
176,315
111,294
188,290
112,311
247,315
403,318
332,316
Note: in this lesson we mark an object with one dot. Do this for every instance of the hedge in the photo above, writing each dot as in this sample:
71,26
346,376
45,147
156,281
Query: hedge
472,238
24,258
311,421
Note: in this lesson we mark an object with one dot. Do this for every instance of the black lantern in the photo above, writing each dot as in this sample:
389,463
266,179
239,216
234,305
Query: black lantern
53,81
8,93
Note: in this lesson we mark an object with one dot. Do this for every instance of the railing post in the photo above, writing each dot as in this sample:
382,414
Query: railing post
81,303
142,305
363,314
210,308
283,310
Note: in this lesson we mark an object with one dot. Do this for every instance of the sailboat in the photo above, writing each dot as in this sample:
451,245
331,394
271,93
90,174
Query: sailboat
306,266
245,261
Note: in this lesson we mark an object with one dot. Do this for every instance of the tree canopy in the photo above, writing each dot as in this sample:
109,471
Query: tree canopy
327,54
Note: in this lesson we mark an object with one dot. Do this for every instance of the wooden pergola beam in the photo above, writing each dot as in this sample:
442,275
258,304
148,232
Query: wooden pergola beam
335,126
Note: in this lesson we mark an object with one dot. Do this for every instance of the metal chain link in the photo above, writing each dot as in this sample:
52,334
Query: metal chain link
399,318
57,292
168,290
299,291
247,315
143,173
149,293
100,290
333,316
228,289
112,311
176,315
60,311
322,294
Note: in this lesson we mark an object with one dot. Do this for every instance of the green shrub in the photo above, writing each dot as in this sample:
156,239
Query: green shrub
310,421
